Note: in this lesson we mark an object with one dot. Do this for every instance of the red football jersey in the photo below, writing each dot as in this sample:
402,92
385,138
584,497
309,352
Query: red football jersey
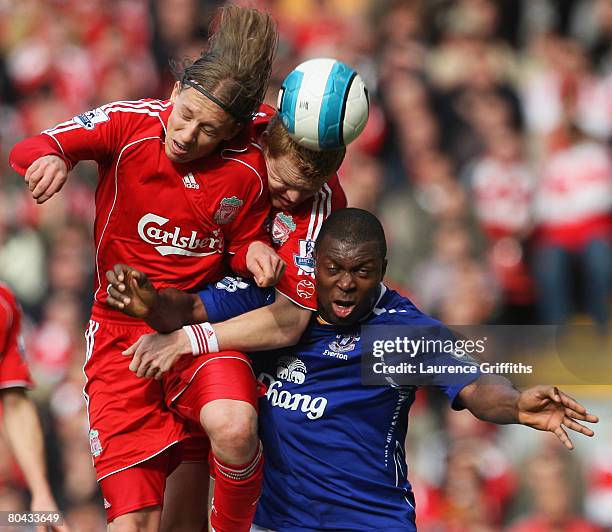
173,221
13,369
293,233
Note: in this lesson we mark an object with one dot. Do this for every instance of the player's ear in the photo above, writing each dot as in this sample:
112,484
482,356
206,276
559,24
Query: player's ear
384,267
175,91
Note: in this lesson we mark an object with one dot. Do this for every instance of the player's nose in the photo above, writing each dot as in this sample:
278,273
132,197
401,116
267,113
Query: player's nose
188,134
293,196
346,283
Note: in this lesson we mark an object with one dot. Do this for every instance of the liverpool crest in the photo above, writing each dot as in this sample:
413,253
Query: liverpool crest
228,210
94,442
282,227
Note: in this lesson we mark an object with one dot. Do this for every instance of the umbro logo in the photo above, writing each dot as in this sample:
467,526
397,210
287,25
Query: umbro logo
190,182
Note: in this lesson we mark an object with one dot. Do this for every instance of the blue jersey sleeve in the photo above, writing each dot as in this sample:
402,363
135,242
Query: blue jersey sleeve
447,353
422,351
232,296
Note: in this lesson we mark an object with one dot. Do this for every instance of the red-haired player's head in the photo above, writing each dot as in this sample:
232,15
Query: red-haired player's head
295,173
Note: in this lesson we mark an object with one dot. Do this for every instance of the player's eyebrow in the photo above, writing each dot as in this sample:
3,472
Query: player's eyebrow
206,123
366,263
211,123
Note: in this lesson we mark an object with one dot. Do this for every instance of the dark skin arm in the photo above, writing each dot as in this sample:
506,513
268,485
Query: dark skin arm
165,310
493,398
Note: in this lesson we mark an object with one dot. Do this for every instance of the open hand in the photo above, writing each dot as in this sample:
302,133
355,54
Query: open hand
548,408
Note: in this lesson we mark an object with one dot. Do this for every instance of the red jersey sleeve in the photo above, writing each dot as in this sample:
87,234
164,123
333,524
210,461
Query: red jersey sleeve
294,235
13,369
95,135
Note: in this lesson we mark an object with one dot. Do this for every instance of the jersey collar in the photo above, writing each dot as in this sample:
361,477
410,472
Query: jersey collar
164,116
383,291
321,321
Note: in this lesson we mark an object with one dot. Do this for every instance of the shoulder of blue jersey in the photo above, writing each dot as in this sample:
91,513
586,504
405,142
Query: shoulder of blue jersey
393,308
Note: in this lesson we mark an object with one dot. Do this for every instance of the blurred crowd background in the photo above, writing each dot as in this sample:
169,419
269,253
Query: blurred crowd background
487,156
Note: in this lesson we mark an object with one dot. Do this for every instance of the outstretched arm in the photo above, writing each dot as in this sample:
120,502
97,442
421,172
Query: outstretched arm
270,327
493,398
278,325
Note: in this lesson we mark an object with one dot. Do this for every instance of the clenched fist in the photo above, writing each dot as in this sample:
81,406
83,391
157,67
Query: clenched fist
46,176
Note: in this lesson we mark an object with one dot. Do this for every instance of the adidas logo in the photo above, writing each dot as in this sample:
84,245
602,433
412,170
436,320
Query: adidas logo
190,182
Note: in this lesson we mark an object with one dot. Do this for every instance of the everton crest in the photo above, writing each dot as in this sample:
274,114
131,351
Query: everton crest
344,343
228,210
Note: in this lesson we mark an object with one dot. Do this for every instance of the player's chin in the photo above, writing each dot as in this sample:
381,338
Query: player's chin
175,157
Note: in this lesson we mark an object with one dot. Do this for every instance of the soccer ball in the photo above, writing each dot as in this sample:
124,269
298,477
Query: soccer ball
323,104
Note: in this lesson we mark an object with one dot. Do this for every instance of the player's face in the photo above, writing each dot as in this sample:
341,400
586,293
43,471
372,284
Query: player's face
348,278
196,126
288,188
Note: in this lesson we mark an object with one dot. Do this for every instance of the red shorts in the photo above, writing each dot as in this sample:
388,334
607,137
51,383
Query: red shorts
196,381
143,485
137,487
128,418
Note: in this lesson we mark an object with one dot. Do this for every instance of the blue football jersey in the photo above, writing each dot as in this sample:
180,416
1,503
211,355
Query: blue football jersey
334,448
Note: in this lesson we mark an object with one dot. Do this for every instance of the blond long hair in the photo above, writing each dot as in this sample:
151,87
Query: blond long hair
234,71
